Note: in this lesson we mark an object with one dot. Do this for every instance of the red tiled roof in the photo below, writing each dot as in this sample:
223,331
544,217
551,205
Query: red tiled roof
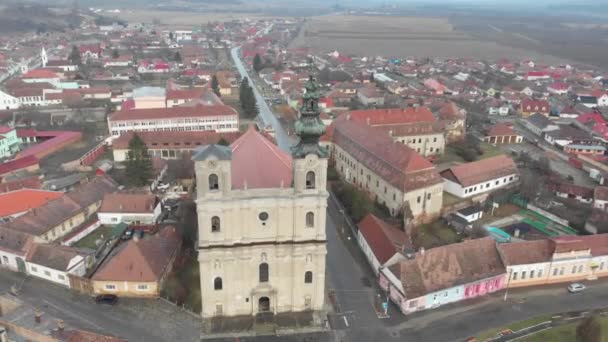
382,238
40,73
481,171
378,117
450,111
5,129
175,112
128,203
175,140
184,94
535,106
22,200
396,163
52,256
600,193
17,164
501,129
14,241
259,163
25,183
527,252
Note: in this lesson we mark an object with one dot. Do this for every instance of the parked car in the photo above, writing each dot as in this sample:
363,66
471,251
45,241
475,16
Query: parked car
576,287
108,299
128,234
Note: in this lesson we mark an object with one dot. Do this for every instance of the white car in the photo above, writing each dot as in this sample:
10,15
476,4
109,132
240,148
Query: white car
576,287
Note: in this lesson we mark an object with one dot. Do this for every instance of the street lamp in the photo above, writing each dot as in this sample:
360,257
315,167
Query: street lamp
508,282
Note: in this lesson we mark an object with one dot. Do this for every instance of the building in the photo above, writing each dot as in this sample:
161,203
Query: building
8,102
444,275
529,107
139,267
28,164
567,135
502,134
54,263
453,119
9,141
587,149
170,145
382,243
414,127
539,124
600,198
261,222
16,203
555,260
393,174
571,191
129,208
370,96
14,246
149,97
474,178
219,118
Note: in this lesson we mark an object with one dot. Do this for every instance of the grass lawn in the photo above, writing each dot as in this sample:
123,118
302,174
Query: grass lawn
183,284
449,199
565,333
513,326
435,234
89,240
451,155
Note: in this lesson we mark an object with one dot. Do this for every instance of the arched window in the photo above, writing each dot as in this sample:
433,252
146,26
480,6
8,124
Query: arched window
215,224
310,219
217,284
310,180
308,277
263,272
213,182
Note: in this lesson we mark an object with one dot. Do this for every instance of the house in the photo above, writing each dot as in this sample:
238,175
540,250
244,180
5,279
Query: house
502,133
55,263
382,243
393,174
370,96
220,118
600,198
572,191
597,223
587,101
529,107
539,124
474,178
561,259
29,164
9,141
14,247
453,119
471,214
585,148
90,51
129,208
8,101
16,203
537,75
444,275
566,135
558,88
138,267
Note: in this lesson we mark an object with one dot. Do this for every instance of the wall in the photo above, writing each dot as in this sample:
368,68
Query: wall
457,190
425,144
483,287
84,232
9,260
53,275
116,218
369,254
126,289
63,229
28,334
220,123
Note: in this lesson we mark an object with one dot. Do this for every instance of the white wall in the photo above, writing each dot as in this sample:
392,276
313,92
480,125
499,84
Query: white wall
8,102
496,183
53,275
116,218
369,254
10,260
225,123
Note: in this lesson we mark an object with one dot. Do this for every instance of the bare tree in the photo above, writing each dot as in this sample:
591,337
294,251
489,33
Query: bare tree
589,330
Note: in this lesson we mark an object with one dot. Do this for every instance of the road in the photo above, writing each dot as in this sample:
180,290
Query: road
266,115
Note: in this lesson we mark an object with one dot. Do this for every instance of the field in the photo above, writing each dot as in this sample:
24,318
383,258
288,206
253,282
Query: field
175,19
401,36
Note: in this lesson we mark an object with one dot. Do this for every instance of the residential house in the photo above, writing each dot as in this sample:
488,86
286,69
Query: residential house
129,208
585,148
9,142
382,243
558,88
370,96
55,263
139,267
14,246
539,124
393,174
600,198
587,101
453,119
502,133
566,135
571,191
444,275
529,107
8,101
474,178
16,203
471,214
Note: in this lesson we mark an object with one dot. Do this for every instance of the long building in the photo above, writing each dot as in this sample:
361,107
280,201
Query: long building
394,174
219,118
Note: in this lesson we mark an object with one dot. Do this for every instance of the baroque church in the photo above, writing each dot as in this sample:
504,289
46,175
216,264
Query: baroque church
261,221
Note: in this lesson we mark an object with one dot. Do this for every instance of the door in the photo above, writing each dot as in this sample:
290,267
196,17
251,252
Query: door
264,304
20,265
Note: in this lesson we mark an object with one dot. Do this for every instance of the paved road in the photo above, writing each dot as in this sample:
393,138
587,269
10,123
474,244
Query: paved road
266,115
135,320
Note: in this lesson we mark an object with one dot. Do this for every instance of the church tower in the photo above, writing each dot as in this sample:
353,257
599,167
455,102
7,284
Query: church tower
43,57
261,222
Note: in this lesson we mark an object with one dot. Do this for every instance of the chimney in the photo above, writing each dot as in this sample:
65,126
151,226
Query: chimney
37,316
60,325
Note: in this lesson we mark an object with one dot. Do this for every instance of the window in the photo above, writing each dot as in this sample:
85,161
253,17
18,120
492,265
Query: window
532,274
574,269
580,268
540,273
263,216
142,287
514,275
4,259
308,277
602,266
418,199
34,269
561,271
110,287
114,219
213,182
217,284
310,180
263,272
215,224
428,196
47,273
554,272
413,303
310,219
60,277
523,275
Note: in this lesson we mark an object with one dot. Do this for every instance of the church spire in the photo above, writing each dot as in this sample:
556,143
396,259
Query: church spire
309,126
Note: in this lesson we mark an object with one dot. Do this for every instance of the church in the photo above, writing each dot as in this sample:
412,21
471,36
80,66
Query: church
261,221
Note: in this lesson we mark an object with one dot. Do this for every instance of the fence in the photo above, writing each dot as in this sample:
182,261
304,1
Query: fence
80,284
77,236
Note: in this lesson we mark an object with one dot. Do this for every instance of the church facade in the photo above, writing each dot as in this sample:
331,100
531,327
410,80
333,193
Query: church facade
261,221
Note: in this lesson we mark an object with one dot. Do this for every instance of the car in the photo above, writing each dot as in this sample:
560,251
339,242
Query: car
576,287
128,234
108,299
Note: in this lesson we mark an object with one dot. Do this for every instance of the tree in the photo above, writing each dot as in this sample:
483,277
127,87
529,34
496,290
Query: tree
215,86
247,99
589,330
115,53
171,36
257,63
74,56
178,57
223,142
139,163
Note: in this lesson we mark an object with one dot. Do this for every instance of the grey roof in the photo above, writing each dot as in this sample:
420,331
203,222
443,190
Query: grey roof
570,133
64,182
148,91
220,152
470,210
539,120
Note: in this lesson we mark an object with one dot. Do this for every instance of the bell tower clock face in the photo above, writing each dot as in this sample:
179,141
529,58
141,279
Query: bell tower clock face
212,164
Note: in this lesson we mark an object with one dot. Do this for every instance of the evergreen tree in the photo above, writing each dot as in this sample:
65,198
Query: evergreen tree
223,142
215,86
247,99
74,57
115,53
178,57
257,63
139,163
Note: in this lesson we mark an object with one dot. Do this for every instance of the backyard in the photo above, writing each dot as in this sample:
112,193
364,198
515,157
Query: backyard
89,240
434,235
453,155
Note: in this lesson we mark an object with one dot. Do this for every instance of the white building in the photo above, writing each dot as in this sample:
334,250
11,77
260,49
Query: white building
382,243
470,179
219,118
600,198
54,263
8,101
129,208
13,249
